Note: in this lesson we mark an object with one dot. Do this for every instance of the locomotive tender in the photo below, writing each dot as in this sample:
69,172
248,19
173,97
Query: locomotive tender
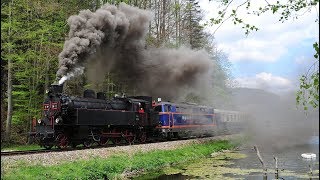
72,120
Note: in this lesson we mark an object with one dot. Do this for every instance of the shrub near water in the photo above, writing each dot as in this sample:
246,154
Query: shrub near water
114,166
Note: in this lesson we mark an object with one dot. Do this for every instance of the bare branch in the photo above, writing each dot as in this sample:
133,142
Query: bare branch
220,24
313,65
260,159
277,169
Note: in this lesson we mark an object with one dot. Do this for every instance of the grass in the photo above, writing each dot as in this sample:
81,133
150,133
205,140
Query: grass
21,147
114,166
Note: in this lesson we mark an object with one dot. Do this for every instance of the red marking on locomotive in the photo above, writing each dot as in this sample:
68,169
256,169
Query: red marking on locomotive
160,113
46,106
54,105
184,126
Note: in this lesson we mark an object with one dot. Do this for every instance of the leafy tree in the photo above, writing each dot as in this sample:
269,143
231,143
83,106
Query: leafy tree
308,94
196,35
34,34
8,28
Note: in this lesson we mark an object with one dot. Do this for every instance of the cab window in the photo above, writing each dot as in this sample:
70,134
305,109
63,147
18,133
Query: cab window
158,108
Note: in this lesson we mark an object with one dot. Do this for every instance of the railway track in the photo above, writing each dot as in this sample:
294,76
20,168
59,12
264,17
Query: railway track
12,153
38,151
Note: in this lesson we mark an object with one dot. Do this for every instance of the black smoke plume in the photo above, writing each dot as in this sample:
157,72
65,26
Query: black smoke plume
112,39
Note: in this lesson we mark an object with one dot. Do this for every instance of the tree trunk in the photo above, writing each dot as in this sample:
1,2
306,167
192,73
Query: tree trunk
46,81
151,21
176,20
163,22
179,25
168,29
190,27
9,90
157,21
9,94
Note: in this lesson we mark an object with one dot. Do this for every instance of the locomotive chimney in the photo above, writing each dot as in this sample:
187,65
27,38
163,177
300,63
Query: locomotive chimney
55,88
88,93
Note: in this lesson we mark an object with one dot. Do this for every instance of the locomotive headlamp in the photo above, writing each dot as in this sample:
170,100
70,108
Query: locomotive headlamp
58,120
39,121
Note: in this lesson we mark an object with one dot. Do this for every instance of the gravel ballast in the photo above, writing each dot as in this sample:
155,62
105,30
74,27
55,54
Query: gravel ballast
53,158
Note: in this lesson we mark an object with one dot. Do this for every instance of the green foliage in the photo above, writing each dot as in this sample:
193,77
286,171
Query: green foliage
308,93
33,35
316,48
114,166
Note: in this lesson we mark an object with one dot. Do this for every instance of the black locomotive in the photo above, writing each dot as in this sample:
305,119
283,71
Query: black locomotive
73,121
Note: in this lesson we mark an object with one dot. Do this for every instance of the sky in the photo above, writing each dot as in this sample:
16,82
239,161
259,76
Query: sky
272,58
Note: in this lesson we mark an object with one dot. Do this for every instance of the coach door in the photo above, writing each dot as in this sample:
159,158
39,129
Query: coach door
170,115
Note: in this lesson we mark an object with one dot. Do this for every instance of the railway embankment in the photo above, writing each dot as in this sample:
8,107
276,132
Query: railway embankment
112,162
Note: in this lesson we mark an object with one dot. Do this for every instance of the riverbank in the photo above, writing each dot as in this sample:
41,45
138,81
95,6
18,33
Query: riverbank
119,165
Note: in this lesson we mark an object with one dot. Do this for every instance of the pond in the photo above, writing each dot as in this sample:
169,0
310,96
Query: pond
244,164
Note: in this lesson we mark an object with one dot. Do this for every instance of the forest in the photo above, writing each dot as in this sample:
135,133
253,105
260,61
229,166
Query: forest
33,33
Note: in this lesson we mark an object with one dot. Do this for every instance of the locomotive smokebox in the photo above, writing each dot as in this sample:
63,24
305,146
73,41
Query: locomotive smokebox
55,88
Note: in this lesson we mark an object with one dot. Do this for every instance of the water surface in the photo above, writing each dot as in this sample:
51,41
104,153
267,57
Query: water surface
244,164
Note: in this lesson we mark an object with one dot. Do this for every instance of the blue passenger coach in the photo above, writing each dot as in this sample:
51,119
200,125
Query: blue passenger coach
176,120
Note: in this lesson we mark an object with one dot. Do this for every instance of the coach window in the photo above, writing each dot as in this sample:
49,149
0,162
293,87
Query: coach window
169,108
136,107
184,110
165,108
195,110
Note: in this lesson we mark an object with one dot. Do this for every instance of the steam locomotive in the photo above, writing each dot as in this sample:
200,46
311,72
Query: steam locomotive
70,121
